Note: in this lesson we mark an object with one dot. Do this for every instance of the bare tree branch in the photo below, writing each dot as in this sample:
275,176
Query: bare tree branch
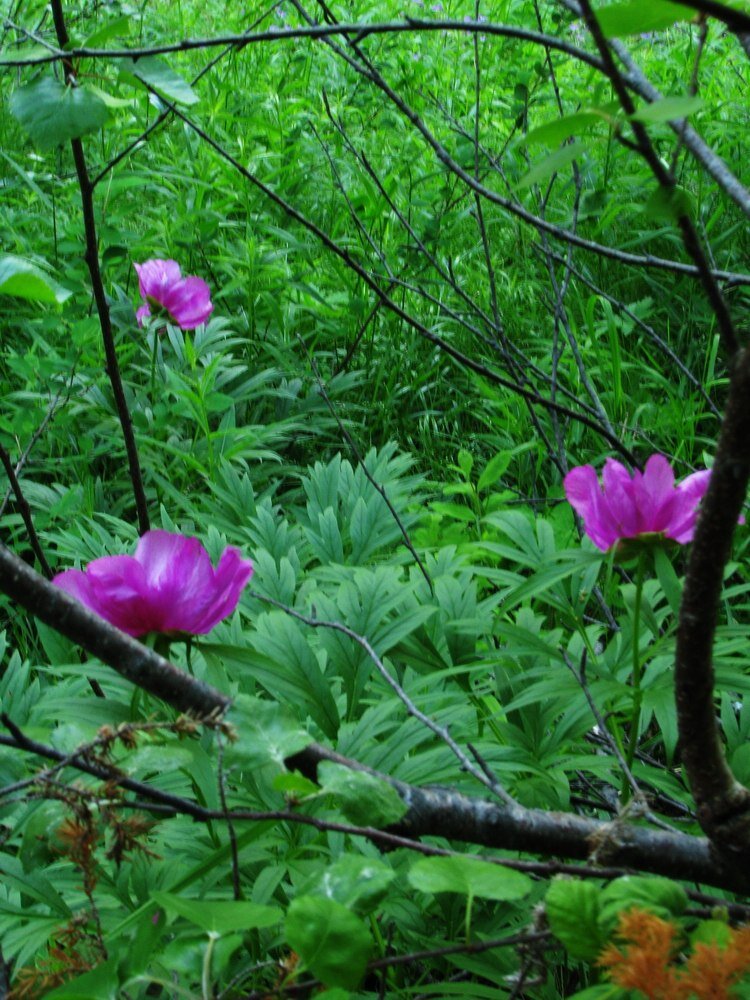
723,803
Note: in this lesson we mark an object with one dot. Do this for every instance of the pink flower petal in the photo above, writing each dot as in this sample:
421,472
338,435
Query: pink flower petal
586,498
168,586
620,500
187,300
630,506
231,575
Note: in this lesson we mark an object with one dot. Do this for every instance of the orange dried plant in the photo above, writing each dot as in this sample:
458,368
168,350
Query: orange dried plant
647,959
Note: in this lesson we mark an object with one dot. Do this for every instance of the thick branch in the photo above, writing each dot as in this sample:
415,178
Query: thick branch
723,803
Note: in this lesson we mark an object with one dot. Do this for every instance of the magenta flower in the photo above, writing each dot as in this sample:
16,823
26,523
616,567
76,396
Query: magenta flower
629,506
169,585
187,300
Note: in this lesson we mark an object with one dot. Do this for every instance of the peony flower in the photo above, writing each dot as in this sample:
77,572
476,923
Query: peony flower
169,585
187,300
629,506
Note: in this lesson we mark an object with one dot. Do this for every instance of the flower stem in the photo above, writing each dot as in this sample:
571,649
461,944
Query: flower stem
635,719
153,363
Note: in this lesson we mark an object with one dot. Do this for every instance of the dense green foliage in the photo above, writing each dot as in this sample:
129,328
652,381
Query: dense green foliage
283,425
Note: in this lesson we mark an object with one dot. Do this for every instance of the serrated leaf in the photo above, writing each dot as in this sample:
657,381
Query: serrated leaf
157,74
572,908
469,877
52,113
24,280
220,916
637,17
364,799
333,943
658,895
668,109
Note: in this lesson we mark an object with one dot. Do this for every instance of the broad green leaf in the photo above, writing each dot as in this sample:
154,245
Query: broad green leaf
572,908
543,169
658,895
333,943
364,799
24,280
295,786
469,877
356,882
157,74
119,27
30,54
668,109
554,132
266,732
670,204
495,468
52,113
220,916
640,16
102,983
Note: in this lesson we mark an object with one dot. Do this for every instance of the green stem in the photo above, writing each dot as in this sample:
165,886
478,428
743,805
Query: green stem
206,991
635,719
155,335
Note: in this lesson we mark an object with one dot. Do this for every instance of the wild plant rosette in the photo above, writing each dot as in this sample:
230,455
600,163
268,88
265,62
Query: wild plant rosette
648,505
186,301
168,586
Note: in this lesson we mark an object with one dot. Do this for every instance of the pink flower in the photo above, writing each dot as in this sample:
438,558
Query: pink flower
628,506
187,300
169,585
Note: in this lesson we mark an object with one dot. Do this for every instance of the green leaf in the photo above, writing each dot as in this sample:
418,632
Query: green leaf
572,907
157,74
354,881
543,169
668,109
554,132
658,895
266,732
469,877
30,54
294,785
495,468
102,983
639,16
364,799
670,204
333,943
219,916
24,280
52,113
668,580
119,27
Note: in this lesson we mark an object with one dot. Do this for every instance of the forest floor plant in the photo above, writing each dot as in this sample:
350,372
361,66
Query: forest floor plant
406,277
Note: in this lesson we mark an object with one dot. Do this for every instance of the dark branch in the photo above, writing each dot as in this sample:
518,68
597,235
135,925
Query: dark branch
723,803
